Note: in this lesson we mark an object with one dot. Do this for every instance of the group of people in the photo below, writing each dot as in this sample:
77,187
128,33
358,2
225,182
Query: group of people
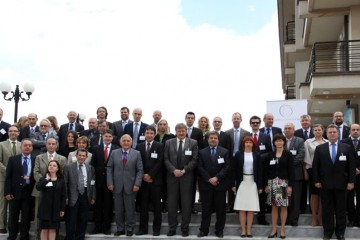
128,165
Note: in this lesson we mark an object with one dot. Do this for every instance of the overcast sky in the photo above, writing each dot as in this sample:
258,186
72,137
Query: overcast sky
212,57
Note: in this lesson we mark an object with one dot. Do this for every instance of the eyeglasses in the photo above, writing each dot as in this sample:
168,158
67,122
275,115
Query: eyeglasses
44,126
255,122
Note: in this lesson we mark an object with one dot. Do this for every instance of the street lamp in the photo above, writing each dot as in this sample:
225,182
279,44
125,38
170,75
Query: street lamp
5,88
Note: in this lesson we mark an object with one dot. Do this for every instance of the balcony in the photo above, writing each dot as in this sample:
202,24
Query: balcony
334,69
290,32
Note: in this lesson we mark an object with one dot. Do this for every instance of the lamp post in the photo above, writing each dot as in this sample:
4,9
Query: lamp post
5,88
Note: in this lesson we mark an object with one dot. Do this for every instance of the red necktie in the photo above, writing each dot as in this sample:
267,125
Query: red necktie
106,154
255,138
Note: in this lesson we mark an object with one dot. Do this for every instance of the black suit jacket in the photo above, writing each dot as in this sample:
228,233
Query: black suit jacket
65,128
333,176
152,165
264,141
98,162
209,167
300,133
5,126
25,132
353,151
130,127
14,176
94,142
274,130
224,140
89,134
239,169
165,138
197,135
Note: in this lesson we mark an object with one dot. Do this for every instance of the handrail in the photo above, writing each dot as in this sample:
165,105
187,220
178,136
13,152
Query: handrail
290,31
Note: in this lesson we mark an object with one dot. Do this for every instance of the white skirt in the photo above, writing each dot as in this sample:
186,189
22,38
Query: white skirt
247,197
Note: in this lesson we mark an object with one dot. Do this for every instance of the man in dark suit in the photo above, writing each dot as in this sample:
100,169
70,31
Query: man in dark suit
4,127
214,180
333,173
81,193
338,120
224,138
39,138
236,135
354,142
152,155
29,131
269,129
136,129
72,125
196,134
305,132
263,147
103,208
295,145
92,129
124,175
98,139
119,126
19,183
102,114
180,156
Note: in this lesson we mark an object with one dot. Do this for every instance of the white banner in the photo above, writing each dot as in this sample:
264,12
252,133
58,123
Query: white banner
287,111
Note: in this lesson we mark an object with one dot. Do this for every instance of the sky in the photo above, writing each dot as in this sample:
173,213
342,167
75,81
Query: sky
212,57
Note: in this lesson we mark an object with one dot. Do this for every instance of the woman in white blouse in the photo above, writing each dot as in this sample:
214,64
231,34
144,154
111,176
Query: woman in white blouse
310,146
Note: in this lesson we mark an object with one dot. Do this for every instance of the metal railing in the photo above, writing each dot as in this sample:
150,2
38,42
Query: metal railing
290,92
290,31
334,57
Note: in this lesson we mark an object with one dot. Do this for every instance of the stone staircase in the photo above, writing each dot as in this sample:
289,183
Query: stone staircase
231,231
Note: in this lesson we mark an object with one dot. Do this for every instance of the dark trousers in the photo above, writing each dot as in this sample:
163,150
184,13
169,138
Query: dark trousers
352,211
304,196
213,200
262,204
179,188
23,206
150,193
103,208
77,218
331,200
294,209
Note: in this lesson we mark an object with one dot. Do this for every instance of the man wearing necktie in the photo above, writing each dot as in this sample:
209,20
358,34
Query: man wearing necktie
39,138
338,120
136,129
213,169
305,132
8,148
71,125
104,197
31,129
119,126
19,183
180,157
268,128
81,193
124,177
353,142
152,155
333,175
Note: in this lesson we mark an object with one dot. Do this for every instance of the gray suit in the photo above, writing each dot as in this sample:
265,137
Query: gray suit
243,133
180,186
296,144
123,179
118,128
39,142
5,153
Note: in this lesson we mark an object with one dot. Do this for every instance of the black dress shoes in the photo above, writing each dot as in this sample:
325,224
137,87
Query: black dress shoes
185,233
171,233
129,233
3,231
118,233
202,234
141,232
95,231
193,211
350,224
340,237
326,237
219,234
156,233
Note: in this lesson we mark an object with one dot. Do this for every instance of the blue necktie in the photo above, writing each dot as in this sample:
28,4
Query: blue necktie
212,151
333,152
306,135
25,169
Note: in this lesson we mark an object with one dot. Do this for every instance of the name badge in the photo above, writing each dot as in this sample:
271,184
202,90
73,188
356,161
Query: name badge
220,160
358,153
273,162
49,184
92,182
293,152
188,153
2,131
262,147
74,159
342,158
142,138
153,155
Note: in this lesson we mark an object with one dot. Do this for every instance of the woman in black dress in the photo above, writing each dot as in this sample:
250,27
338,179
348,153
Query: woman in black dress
53,200
70,143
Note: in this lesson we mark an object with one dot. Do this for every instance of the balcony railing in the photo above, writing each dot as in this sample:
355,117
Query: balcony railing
290,92
334,57
290,31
